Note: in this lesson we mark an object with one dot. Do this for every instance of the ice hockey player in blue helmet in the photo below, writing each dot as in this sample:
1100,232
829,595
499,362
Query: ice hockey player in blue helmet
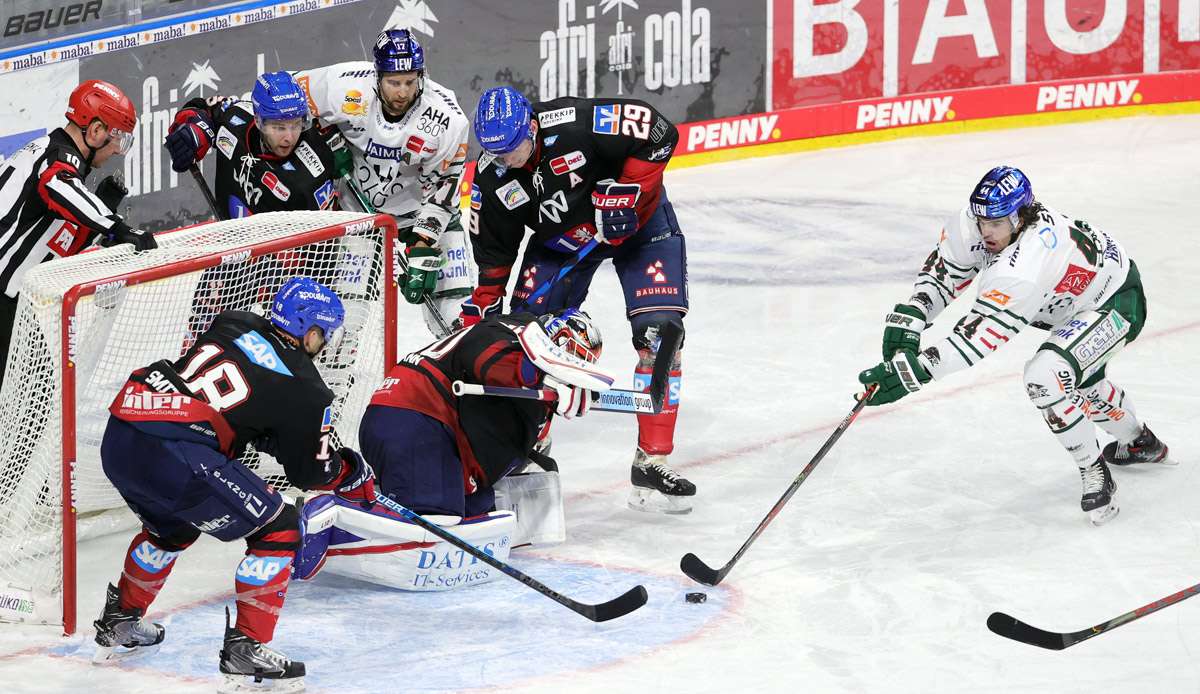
1032,267
270,157
172,446
407,137
586,174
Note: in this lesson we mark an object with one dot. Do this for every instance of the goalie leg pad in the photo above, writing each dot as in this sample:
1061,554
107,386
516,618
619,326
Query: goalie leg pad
392,552
656,432
1050,382
536,499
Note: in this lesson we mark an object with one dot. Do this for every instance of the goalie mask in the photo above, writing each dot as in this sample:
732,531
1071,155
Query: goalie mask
303,303
574,331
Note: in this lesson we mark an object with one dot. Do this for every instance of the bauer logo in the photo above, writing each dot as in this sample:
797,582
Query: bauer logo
152,559
258,571
48,20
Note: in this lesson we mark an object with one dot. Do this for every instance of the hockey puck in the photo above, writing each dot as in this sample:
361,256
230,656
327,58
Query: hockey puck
696,597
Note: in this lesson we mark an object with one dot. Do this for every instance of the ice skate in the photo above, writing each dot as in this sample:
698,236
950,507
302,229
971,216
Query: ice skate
657,488
251,666
123,633
1146,448
1099,490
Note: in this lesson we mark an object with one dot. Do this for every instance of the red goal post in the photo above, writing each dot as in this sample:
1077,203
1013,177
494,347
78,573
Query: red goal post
84,322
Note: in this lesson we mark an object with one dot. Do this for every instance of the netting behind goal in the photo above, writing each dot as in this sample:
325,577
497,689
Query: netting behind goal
84,323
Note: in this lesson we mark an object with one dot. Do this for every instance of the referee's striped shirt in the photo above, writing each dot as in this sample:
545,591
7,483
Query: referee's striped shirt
47,211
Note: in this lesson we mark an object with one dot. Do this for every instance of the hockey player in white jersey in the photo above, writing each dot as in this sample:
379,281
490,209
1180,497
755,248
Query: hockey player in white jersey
408,139
1032,267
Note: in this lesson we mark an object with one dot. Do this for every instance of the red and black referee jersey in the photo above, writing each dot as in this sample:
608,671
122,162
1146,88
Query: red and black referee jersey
46,210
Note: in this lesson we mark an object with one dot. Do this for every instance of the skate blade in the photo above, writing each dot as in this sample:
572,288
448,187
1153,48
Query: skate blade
654,501
107,655
233,684
1100,516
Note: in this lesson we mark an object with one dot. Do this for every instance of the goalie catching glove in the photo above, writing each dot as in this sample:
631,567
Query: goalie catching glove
902,330
905,373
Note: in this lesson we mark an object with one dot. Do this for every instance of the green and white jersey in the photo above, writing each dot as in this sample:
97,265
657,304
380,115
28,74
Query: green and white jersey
1057,268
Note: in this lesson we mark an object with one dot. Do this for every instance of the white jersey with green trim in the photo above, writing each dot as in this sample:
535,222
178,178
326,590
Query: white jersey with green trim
1057,268
407,168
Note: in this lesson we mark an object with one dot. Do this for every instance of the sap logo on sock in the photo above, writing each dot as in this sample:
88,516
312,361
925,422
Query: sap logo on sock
261,352
151,558
258,571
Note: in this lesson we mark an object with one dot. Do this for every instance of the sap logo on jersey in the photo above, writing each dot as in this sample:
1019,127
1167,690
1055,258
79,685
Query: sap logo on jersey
512,195
258,571
549,119
567,162
152,559
272,182
261,352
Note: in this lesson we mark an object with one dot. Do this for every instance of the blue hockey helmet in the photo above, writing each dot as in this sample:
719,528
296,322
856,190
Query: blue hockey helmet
503,120
1002,192
277,96
303,303
575,332
397,50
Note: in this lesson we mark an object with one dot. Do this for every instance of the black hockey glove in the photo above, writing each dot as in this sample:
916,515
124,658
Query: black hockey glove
120,232
616,216
902,330
188,139
111,190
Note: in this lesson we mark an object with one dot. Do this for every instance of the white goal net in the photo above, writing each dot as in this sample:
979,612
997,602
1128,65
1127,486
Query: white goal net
84,323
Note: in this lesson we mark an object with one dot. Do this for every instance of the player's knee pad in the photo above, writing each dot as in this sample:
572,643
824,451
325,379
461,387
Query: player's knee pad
282,534
646,327
1051,384
536,499
1088,341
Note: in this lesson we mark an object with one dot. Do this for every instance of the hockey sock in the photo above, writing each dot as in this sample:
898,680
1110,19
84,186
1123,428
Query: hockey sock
1075,432
656,432
1109,407
262,577
147,564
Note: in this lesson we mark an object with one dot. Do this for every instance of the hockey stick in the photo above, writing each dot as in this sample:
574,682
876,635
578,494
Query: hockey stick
698,571
1013,628
566,267
208,196
613,400
428,304
602,612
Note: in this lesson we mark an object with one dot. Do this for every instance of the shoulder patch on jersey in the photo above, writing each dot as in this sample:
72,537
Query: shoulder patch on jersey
1075,280
236,121
659,130
606,119
558,116
226,142
308,156
273,184
512,195
662,153
997,297
352,103
261,352
287,166
324,195
548,141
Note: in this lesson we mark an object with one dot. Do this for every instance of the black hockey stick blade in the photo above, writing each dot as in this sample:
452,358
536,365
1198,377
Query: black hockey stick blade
669,338
1012,628
617,607
698,571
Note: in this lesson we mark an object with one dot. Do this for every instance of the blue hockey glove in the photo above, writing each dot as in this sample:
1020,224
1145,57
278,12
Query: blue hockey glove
616,218
902,375
188,139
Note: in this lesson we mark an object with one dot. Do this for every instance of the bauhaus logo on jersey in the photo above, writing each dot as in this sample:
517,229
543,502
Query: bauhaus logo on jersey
673,46
1066,97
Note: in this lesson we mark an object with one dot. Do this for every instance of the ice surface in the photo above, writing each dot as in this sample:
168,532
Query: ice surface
880,573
